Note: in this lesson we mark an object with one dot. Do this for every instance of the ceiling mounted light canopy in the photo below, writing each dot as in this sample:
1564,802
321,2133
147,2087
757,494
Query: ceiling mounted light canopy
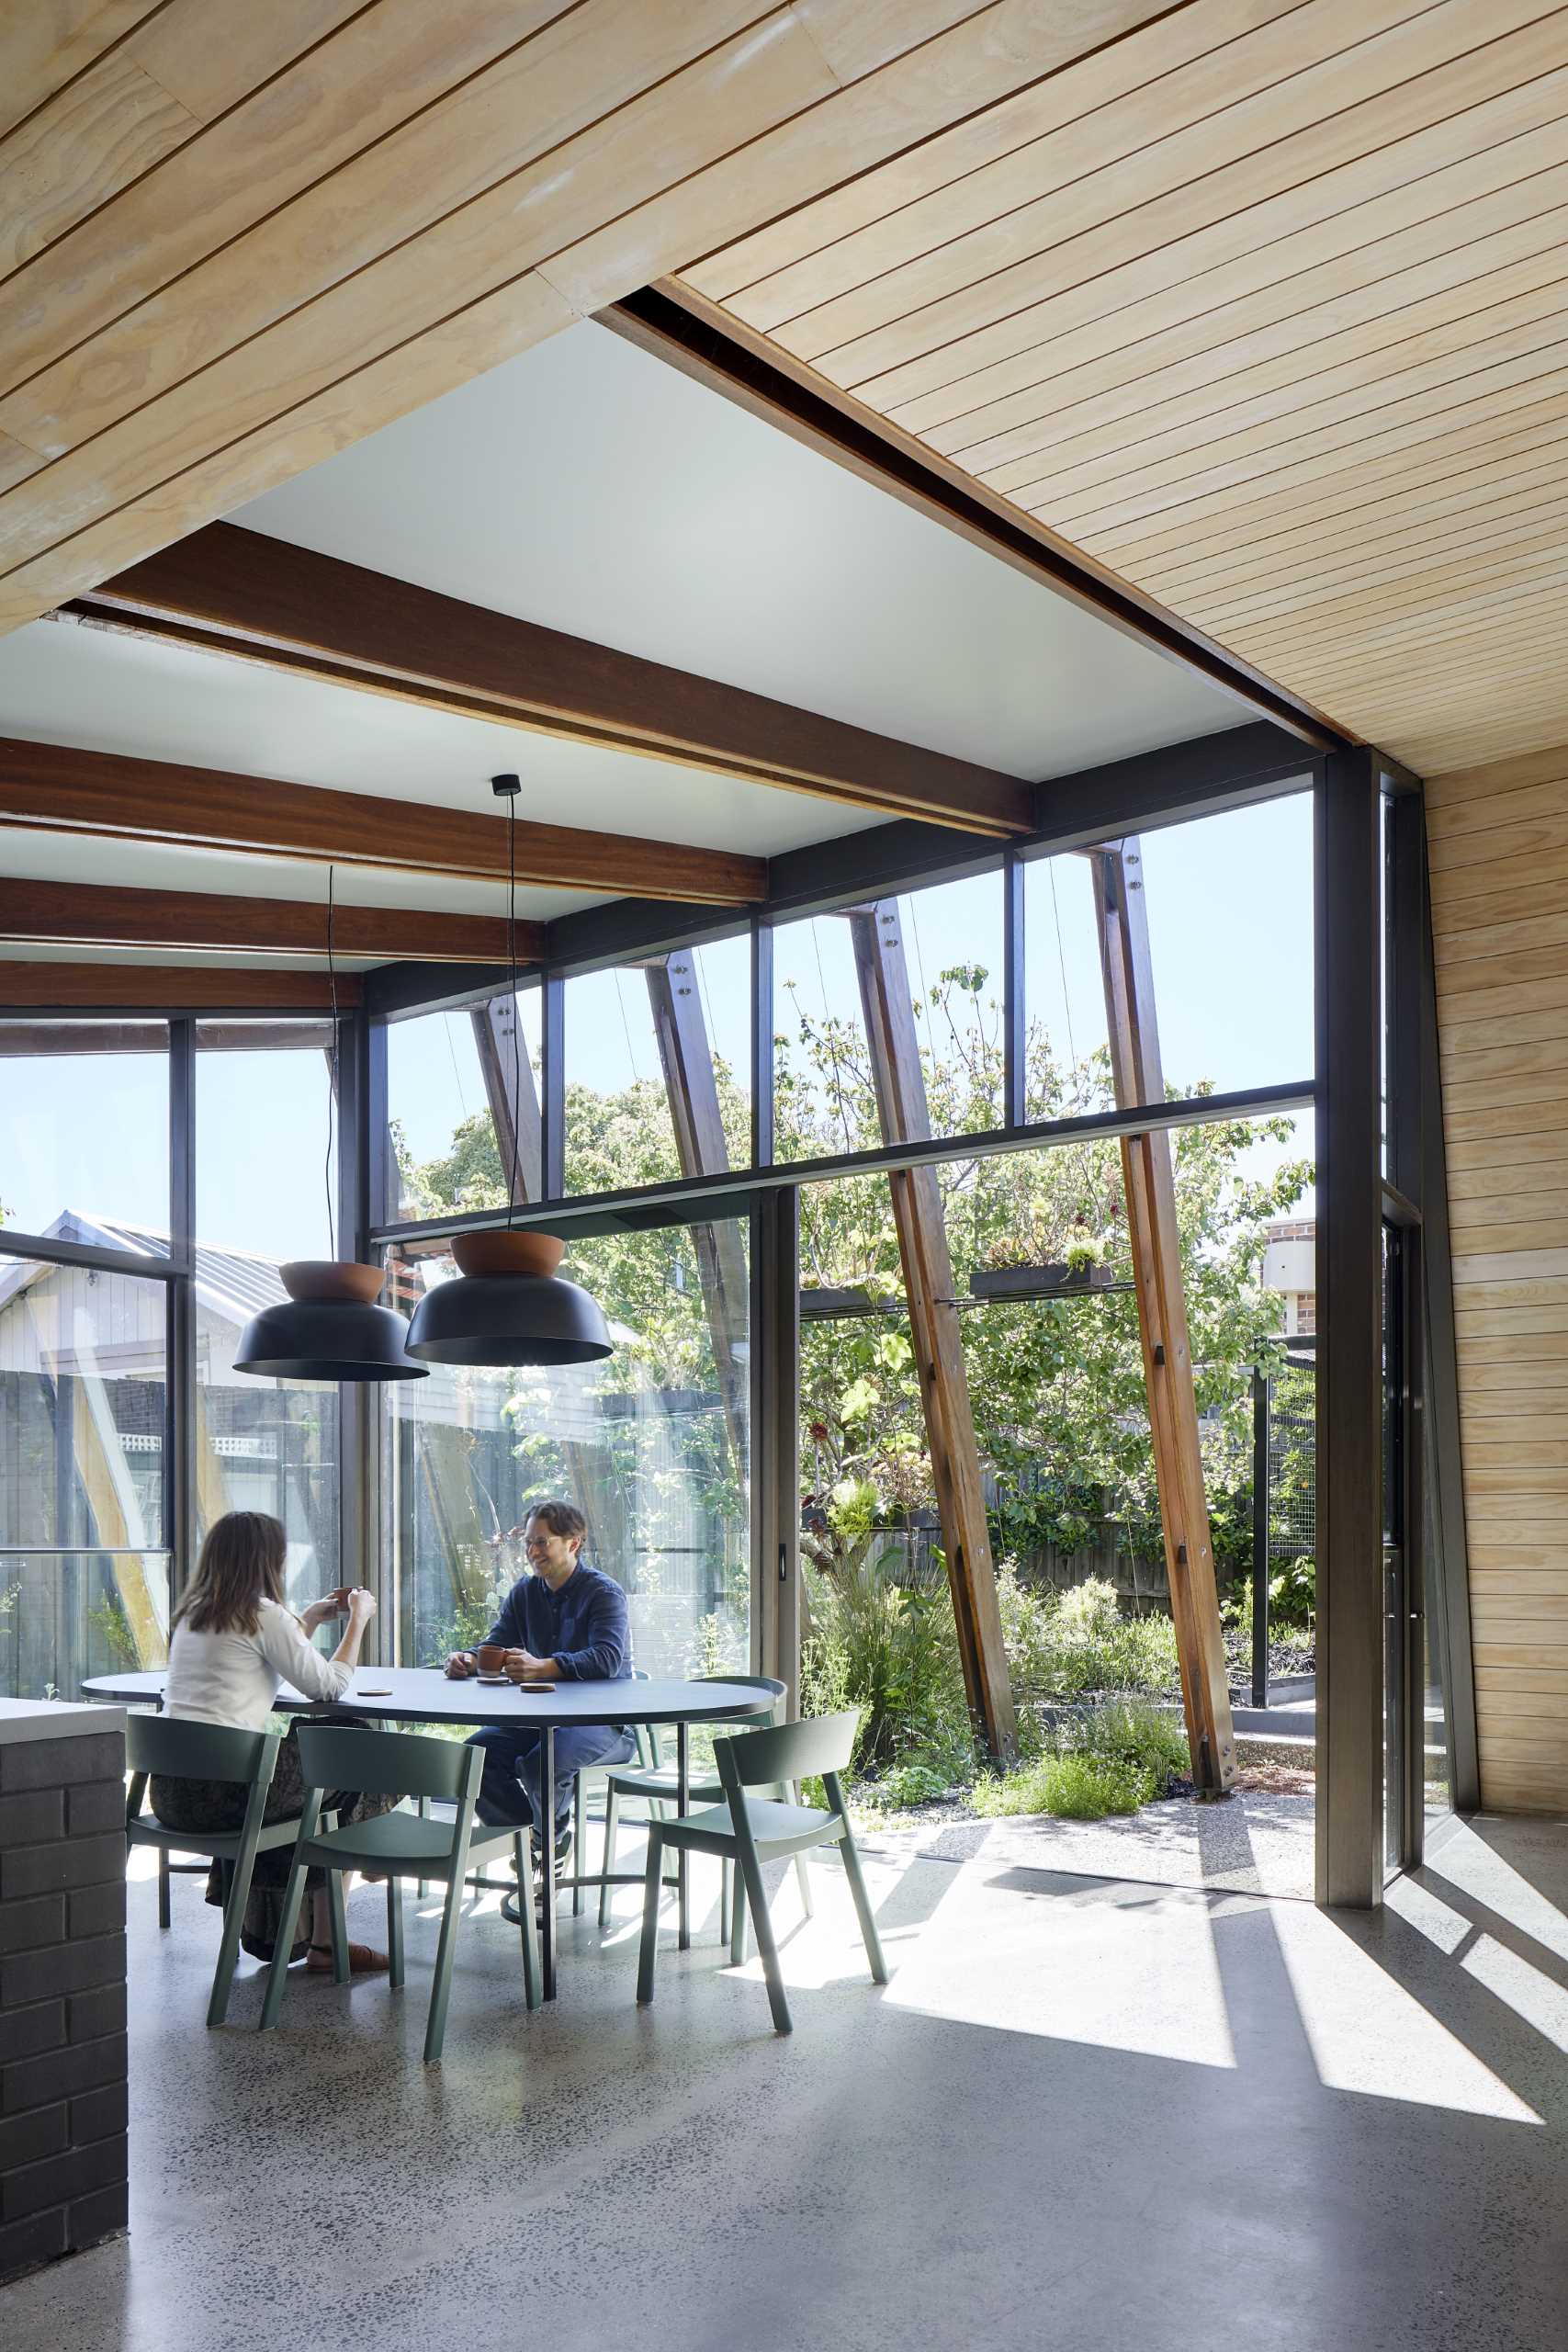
329,1327
508,1305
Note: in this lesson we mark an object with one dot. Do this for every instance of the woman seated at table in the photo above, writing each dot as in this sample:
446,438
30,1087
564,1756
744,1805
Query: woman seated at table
232,1642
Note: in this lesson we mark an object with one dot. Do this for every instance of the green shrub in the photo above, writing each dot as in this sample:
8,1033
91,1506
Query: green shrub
1075,1787
1076,1644
914,1781
886,1649
1109,1760
1146,1736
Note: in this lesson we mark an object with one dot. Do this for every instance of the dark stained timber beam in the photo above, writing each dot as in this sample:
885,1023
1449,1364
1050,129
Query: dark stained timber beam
265,599
172,988
84,914
54,788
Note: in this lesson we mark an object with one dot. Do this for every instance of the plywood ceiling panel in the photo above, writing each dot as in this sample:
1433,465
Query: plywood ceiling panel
1264,308
236,239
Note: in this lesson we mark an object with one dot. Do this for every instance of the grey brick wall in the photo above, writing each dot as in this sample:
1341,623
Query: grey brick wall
62,2063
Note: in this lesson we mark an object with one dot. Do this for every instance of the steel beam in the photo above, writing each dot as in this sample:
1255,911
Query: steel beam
1349,1338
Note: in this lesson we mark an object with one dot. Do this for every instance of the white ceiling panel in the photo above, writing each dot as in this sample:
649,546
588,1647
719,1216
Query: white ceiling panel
155,865
107,692
590,486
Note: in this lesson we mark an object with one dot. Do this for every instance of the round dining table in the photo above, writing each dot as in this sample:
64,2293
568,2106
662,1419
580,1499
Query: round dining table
424,1695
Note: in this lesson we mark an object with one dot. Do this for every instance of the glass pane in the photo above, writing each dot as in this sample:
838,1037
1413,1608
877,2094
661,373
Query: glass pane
1054,1358
268,1079
651,1445
942,950
270,1445
86,1146
65,1615
1230,916
1068,1064
447,1073
1437,1763
630,1034
83,1573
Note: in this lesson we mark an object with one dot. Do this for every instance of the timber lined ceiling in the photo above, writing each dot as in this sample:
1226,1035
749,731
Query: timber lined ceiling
1258,303
1499,854
235,239
1265,307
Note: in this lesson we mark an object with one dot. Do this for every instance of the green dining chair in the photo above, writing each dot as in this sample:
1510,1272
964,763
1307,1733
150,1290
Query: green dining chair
177,1750
658,1786
751,1830
397,1846
646,1740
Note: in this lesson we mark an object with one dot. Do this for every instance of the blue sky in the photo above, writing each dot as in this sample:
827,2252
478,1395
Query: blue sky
1230,923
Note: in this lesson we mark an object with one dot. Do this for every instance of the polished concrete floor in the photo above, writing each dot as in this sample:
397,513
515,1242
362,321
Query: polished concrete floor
1096,2112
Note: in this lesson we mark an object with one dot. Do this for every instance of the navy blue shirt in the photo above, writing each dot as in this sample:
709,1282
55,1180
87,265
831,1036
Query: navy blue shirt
582,1628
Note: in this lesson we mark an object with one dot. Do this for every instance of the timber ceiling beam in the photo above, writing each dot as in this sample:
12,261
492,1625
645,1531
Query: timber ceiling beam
264,599
84,914
52,787
172,988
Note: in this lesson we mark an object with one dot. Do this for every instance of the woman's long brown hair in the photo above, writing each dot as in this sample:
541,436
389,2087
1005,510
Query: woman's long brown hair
241,1565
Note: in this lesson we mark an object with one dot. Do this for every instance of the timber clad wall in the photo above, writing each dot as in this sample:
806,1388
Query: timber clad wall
1499,855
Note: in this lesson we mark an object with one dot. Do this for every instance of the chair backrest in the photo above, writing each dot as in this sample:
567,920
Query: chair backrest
753,1759
769,1683
179,1750
387,1763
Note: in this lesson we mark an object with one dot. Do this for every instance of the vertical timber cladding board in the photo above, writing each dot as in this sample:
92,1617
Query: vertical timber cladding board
1499,870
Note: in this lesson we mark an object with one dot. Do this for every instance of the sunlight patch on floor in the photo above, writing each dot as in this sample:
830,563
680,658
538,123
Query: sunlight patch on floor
1468,1863
1123,1967
1531,1995
1368,2034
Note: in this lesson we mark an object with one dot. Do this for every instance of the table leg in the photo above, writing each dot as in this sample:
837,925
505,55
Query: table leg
682,1807
546,1830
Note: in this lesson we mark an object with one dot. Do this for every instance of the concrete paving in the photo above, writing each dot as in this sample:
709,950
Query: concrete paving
1088,2111
1252,1844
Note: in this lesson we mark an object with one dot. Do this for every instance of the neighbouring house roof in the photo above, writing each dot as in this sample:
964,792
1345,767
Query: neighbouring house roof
233,1283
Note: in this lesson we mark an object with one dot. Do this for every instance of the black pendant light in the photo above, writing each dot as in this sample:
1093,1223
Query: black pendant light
328,1327
507,1304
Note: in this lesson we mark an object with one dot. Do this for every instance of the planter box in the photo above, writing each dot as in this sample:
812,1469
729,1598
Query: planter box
1039,1282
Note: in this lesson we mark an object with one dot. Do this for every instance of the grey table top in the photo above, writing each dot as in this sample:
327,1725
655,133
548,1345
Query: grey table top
421,1695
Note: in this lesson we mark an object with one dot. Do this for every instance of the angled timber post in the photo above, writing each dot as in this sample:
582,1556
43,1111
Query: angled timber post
686,1058
510,1092
933,1320
1150,1183
513,1101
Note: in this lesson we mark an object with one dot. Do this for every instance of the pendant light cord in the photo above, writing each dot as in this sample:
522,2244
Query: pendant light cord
516,1011
331,1068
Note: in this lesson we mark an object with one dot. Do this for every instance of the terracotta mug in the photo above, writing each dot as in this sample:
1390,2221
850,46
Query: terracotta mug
491,1657
340,1599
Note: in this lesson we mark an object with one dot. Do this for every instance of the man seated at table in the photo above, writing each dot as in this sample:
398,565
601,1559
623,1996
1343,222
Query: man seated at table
563,1621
